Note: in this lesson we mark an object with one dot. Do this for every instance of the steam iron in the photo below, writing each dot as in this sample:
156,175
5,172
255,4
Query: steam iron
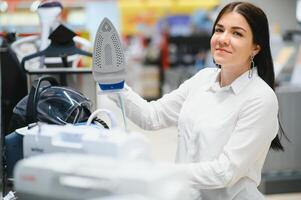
108,58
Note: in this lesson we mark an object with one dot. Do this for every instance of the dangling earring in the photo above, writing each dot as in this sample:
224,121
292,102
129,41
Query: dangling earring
251,67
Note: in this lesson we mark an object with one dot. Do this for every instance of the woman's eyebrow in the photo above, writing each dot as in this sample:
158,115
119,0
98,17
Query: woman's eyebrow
233,27
238,27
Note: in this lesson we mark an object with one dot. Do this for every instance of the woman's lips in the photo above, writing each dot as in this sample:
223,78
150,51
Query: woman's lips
222,50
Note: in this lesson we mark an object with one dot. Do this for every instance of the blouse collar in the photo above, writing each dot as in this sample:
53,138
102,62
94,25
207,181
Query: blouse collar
237,85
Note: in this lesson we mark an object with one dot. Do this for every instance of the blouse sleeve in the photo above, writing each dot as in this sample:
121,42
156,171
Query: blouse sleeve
157,114
255,129
165,111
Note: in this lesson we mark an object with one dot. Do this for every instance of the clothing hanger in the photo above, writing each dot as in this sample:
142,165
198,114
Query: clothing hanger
62,45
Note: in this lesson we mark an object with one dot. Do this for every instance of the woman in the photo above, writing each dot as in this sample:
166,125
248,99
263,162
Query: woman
226,117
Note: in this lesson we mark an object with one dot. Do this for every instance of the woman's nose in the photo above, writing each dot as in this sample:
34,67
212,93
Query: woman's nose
224,39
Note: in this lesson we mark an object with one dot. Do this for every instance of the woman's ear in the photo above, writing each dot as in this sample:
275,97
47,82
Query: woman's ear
256,50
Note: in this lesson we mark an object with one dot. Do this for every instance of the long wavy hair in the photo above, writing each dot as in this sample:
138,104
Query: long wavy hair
258,22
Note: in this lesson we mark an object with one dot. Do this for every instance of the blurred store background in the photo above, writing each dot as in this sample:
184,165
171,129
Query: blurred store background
165,43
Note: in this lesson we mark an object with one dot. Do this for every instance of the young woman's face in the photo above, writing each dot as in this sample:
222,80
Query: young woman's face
232,42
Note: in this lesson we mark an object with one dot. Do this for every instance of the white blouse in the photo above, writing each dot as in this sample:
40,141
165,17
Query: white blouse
224,134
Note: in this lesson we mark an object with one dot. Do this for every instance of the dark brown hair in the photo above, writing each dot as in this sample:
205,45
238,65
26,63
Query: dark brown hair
258,22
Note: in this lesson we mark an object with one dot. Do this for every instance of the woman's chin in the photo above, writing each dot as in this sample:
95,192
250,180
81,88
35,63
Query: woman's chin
220,62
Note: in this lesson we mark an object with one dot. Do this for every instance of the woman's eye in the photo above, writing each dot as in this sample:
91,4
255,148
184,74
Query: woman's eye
218,30
237,34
